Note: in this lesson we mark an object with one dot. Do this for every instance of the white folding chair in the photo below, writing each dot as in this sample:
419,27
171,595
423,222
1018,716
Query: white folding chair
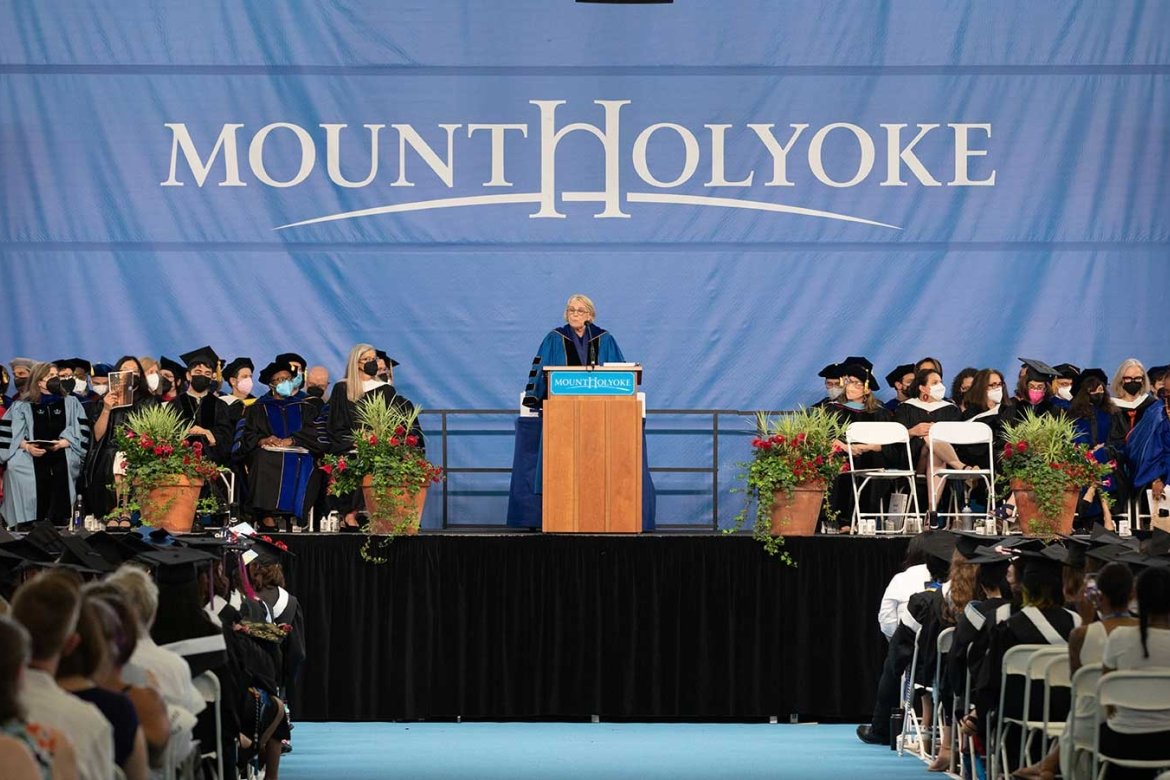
963,433
1034,722
942,647
1056,677
1147,691
884,434
1015,664
1083,693
209,688
911,726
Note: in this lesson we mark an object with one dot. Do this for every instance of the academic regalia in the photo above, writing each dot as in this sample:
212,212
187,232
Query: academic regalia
561,347
282,482
913,411
976,454
967,652
841,496
25,481
285,610
100,498
1148,449
211,413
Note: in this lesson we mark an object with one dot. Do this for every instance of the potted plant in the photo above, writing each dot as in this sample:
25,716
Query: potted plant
1047,471
389,466
164,473
796,459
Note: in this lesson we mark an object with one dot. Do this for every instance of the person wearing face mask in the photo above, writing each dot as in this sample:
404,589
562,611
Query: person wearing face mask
1092,414
1062,386
361,380
899,379
831,374
171,375
100,381
1131,396
1034,390
297,364
201,408
21,366
927,406
282,433
42,443
858,404
317,381
238,375
104,467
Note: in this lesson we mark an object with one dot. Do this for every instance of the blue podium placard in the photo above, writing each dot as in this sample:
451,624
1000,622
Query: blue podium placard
592,383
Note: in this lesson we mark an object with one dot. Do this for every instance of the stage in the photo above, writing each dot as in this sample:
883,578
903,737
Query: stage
531,626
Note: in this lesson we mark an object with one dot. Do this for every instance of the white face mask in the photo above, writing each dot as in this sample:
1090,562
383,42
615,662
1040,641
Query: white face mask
80,387
101,389
995,395
244,385
1064,392
938,391
835,393
152,382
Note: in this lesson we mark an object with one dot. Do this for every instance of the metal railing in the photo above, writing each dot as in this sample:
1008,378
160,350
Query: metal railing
715,431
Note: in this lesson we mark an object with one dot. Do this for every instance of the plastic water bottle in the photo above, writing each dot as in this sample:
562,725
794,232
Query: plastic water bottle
77,519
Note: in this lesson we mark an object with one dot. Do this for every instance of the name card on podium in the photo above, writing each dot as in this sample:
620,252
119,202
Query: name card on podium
596,382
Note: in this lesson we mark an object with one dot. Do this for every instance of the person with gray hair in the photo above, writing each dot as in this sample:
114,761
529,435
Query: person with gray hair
149,663
579,342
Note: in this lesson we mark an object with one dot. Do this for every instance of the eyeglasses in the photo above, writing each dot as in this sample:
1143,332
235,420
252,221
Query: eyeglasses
994,385
851,382
1132,378
572,310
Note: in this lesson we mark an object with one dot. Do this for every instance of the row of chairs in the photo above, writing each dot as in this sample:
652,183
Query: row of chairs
1045,667
186,767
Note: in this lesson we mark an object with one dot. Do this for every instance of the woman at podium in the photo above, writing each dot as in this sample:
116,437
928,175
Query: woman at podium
579,342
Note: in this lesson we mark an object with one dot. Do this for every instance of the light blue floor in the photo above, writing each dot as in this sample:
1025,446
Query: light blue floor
494,751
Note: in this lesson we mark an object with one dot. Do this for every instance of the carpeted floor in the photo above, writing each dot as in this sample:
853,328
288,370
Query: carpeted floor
490,751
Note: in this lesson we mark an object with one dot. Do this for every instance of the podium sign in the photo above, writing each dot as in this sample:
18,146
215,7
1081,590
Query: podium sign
592,461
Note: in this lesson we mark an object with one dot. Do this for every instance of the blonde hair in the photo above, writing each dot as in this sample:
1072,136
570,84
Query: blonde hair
148,362
31,393
353,372
140,592
585,301
1115,386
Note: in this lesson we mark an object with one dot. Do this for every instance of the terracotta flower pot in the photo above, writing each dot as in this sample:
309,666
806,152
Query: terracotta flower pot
1032,522
403,516
796,514
171,505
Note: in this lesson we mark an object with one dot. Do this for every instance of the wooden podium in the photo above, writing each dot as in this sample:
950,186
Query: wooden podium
592,446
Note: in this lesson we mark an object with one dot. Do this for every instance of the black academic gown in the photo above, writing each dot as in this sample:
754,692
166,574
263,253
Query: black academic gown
282,482
925,607
841,497
98,473
286,609
211,413
1016,630
966,651
913,411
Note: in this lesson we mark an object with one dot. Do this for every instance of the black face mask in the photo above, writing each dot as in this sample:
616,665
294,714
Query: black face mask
164,385
370,368
200,383
53,386
1096,398
67,385
316,391
1131,387
20,382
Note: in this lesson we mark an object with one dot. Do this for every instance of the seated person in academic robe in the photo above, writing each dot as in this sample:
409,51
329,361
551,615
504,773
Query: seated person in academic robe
1043,620
171,375
833,390
858,404
579,342
201,408
103,466
1034,390
1148,450
1092,414
924,408
361,381
266,572
280,437
899,379
924,609
1062,386
238,375
960,385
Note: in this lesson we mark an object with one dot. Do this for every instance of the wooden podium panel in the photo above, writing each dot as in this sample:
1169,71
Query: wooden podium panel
592,464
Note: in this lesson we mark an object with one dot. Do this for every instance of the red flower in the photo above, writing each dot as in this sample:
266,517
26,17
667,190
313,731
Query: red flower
146,442
819,461
130,434
1008,451
341,465
394,441
799,462
266,539
186,460
757,443
281,546
373,439
327,468
198,447
158,451
778,439
1021,446
400,430
412,441
800,437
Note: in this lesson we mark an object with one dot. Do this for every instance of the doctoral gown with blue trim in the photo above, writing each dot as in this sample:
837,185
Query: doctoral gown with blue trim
558,349
282,482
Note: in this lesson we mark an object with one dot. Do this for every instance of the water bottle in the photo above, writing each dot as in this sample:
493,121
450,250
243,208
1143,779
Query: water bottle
897,715
77,520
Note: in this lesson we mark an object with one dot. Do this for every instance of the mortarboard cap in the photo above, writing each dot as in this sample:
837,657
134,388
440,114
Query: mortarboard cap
1087,374
1107,553
233,368
176,565
101,369
270,551
969,542
116,551
831,371
1067,371
1157,373
859,360
74,364
899,372
389,360
272,369
939,544
289,358
859,371
79,553
1098,536
1158,543
11,563
178,369
47,537
28,549
1039,371
204,355
989,555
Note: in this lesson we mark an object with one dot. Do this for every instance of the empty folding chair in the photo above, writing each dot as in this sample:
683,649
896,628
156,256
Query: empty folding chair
1015,664
1147,691
209,688
883,434
963,433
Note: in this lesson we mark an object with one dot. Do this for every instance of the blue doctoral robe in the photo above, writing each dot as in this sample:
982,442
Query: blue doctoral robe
20,483
558,349
281,482
1148,448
